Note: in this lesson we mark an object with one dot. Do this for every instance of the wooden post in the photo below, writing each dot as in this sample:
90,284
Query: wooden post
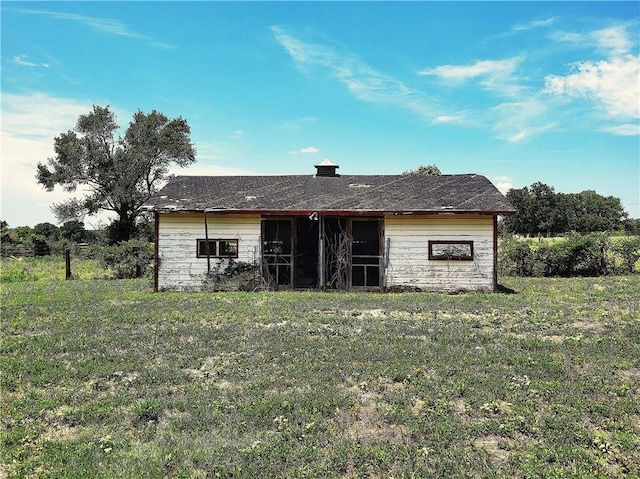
156,250
206,237
67,263
386,261
495,252
321,253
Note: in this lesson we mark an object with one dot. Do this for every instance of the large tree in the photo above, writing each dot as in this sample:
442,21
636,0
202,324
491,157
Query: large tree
542,211
119,173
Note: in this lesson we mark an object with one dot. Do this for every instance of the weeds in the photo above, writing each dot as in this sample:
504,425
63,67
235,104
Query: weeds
107,379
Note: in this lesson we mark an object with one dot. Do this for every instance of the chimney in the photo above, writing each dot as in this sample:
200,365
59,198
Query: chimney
326,168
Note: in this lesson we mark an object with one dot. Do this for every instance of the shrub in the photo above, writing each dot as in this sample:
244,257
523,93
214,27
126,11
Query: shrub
577,255
515,258
234,276
628,250
128,259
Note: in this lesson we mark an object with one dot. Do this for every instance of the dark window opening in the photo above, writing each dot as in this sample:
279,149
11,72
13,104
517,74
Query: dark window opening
451,250
217,248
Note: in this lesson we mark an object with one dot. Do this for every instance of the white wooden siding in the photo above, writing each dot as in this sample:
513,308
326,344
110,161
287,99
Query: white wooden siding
179,268
409,263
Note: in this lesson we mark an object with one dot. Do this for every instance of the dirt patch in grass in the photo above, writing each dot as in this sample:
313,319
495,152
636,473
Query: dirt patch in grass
497,448
630,374
365,422
59,432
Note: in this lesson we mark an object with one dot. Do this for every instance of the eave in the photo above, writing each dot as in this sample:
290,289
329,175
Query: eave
265,212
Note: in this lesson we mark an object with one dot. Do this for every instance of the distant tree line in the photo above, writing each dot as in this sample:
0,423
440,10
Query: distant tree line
44,238
127,259
540,211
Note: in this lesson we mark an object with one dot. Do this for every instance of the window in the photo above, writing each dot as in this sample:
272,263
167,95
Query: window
218,248
451,250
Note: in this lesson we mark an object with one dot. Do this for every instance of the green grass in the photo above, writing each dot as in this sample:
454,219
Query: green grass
46,268
106,379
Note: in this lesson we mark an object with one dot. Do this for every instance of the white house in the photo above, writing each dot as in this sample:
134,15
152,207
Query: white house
331,231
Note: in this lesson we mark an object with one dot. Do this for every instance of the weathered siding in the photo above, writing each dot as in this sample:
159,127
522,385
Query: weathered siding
409,263
179,268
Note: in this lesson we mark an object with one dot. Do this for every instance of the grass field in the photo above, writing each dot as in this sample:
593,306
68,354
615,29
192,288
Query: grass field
106,379
49,268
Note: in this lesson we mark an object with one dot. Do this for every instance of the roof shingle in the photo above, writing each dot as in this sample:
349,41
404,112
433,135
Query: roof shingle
347,193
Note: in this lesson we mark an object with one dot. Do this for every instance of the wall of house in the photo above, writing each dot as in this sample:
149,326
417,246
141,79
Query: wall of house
179,268
409,263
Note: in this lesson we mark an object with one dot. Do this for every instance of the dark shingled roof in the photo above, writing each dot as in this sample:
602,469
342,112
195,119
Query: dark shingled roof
358,194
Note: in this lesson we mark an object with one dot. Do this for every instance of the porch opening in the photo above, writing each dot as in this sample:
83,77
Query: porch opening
323,252
306,253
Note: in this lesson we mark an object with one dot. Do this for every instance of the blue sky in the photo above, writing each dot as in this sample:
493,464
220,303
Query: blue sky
518,91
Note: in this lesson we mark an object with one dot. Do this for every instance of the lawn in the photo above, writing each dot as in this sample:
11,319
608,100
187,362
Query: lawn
106,379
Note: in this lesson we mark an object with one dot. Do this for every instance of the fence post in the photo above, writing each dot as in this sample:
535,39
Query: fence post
67,262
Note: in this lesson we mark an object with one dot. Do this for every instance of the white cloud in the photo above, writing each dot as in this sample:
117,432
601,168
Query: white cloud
503,183
306,150
535,24
518,121
22,61
362,81
29,124
479,68
107,26
629,129
524,133
613,40
447,119
309,149
613,84
493,75
40,115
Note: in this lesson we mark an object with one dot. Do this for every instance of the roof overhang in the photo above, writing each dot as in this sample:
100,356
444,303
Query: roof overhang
226,211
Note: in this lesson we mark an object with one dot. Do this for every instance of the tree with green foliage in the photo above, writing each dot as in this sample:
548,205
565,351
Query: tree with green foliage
22,234
47,231
629,251
631,226
423,170
588,212
5,233
542,211
120,173
74,231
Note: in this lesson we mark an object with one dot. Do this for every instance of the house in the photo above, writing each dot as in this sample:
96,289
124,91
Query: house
331,231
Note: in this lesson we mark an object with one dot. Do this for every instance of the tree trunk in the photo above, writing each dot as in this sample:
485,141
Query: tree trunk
123,228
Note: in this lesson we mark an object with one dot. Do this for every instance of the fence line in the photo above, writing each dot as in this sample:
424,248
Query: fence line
21,250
